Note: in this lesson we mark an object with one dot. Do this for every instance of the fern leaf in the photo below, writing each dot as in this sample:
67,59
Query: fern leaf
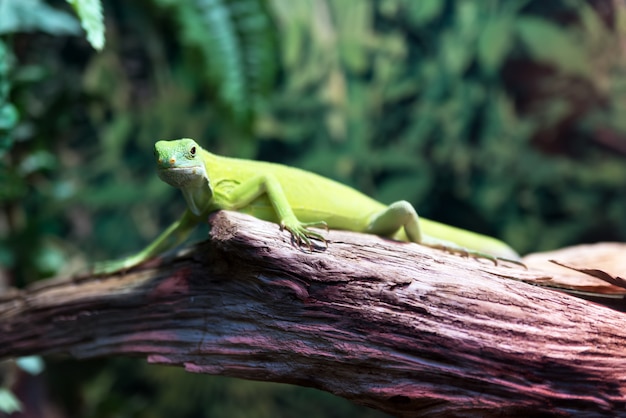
236,41
90,15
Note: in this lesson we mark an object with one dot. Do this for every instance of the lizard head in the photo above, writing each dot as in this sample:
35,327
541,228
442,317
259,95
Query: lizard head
179,163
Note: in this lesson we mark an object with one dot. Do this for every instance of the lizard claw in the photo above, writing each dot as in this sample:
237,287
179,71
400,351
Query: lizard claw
318,224
302,235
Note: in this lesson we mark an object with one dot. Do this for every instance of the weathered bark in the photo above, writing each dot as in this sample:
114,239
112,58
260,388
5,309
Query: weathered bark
402,328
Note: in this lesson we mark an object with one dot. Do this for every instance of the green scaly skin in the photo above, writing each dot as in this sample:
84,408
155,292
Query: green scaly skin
295,199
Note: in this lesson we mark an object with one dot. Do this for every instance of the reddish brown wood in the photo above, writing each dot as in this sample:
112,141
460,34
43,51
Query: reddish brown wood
402,328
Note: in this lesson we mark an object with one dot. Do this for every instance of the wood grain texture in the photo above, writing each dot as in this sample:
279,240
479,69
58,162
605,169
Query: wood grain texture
402,328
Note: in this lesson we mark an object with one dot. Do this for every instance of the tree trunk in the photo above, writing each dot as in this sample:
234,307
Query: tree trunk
398,327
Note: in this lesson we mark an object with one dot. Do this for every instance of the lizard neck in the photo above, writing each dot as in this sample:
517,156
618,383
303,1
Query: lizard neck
198,196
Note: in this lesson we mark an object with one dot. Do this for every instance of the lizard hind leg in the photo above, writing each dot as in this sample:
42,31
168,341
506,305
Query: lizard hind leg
395,216
402,214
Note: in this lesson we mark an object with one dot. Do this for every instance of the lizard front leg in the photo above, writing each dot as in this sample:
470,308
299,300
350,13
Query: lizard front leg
245,193
175,234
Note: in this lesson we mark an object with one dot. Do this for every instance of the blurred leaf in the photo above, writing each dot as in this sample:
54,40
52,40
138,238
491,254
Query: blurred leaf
294,18
31,364
468,18
8,112
354,19
494,44
424,11
49,259
552,44
592,23
8,402
35,15
455,54
37,161
8,116
91,19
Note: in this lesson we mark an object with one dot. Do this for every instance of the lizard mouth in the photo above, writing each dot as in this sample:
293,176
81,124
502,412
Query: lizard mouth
181,169
181,176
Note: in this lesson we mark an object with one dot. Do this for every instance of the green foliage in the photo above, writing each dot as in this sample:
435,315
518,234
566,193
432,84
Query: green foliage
8,112
235,40
90,14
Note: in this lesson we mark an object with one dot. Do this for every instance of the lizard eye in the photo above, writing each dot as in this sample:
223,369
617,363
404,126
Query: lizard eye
193,151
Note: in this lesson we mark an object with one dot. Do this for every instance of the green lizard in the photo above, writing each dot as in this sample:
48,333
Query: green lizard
295,199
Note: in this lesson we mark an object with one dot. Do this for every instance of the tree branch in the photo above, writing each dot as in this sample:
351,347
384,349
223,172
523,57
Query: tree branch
398,327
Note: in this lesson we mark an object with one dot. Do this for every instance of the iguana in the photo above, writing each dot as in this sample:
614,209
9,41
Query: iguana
293,198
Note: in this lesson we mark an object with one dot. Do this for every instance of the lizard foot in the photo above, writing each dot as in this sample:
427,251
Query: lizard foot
302,235
464,252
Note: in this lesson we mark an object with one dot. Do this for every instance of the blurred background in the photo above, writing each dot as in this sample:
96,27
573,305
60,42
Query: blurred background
500,116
